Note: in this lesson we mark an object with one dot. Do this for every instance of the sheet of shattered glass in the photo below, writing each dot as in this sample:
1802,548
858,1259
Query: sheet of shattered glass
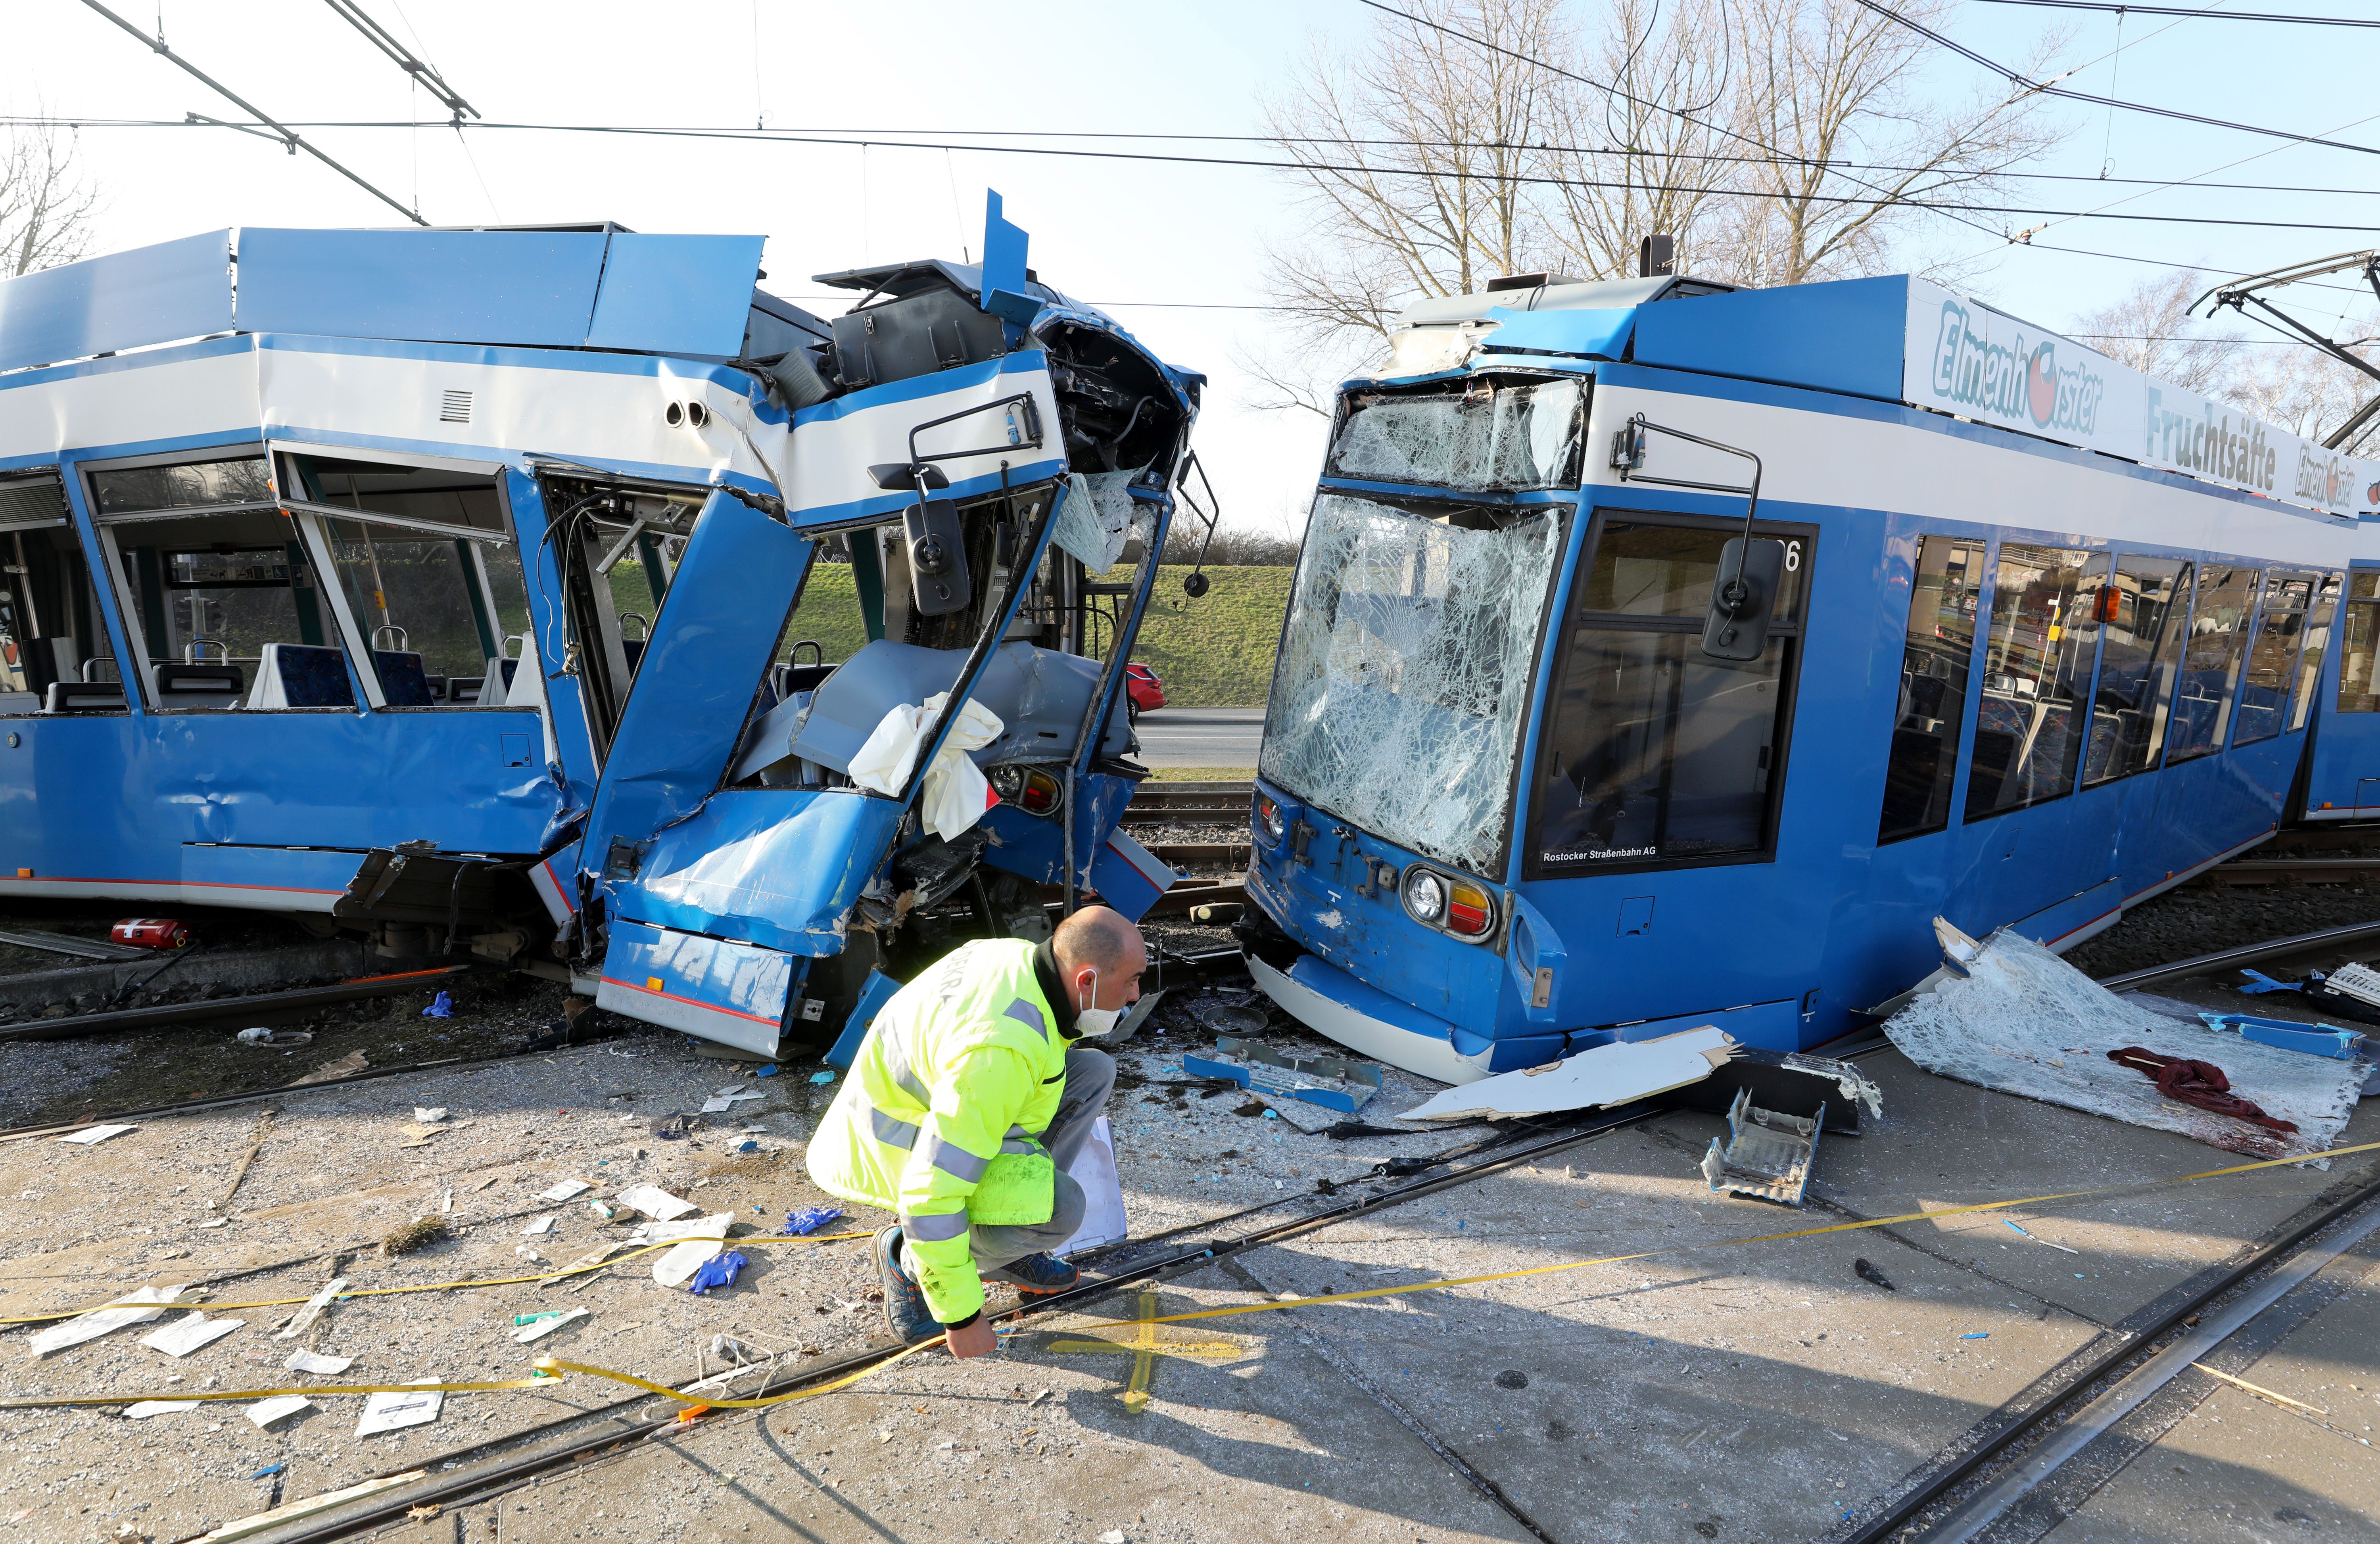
1517,437
1405,673
1096,517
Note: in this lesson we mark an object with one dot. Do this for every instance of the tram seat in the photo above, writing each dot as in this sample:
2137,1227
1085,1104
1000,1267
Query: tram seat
197,685
403,682
464,688
84,697
633,651
301,675
2001,715
788,679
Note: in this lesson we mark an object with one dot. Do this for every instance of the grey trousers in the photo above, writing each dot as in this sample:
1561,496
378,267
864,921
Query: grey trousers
1090,1078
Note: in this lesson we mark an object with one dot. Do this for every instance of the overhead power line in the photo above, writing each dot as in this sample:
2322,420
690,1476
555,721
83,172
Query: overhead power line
2207,12
385,41
1953,210
290,140
2050,87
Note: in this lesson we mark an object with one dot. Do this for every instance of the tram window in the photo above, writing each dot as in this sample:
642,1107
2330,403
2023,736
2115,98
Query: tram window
432,580
1932,702
185,485
51,629
2357,692
2272,657
1654,752
1480,432
2144,611
2210,661
2026,743
224,608
2319,620
1658,570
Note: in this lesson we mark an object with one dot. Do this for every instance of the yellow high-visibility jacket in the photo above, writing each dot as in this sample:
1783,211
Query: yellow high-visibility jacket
940,1117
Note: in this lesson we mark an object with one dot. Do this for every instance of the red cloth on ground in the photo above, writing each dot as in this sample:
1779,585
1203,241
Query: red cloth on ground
2202,1084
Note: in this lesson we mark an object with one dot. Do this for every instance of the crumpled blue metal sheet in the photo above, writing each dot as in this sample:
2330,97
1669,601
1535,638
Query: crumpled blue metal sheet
781,867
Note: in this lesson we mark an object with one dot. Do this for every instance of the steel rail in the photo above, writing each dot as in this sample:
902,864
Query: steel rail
2249,953
2013,1428
161,1013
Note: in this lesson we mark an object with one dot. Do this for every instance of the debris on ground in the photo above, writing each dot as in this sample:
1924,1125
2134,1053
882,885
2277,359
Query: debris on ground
1332,1082
91,1135
718,1271
530,1326
2281,1034
2010,1015
264,1412
317,1364
1767,1156
441,1007
417,1235
134,1307
1869,1273
1601,1077
811,1218
393,1412
189,1334
655,1202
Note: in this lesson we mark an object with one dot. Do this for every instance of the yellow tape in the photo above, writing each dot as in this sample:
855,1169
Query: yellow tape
453,1287
696,1403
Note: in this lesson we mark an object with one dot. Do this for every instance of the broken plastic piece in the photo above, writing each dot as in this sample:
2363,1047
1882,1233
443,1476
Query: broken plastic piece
562,1190
148,1407
188,1333
1331,1081
264,1412
811,1218
822,1077
304,1318
2258,981
392,1412
539,1326
1767,1155
136,1307
2281,1034
1596,1078
441,1007
542,1224
91,1135
1977,1335
1868,1273
720,1271
655,1202
313,1362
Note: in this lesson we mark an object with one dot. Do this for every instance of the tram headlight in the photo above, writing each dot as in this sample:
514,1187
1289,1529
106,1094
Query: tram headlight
1269,817
1426,896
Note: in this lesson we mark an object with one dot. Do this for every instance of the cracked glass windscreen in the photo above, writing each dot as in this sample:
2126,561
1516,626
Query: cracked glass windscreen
1479,433
1404,670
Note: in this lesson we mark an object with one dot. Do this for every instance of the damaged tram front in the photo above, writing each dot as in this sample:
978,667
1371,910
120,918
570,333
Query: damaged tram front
643,630
1662,655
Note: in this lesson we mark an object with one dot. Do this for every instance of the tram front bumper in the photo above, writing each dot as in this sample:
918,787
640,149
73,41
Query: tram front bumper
1366,1020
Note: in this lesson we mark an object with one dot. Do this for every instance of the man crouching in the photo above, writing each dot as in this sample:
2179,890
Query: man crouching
965,1108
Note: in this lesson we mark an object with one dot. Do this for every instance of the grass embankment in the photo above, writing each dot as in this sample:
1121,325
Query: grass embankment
1216,652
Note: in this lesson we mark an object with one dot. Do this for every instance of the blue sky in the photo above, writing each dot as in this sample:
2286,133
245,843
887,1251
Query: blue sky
1123,233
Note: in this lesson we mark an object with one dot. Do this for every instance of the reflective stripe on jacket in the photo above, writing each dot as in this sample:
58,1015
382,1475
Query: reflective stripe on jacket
939,1116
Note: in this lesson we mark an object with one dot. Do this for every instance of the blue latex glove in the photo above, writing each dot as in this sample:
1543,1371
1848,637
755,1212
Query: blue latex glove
441,1006
811,1218
718,1271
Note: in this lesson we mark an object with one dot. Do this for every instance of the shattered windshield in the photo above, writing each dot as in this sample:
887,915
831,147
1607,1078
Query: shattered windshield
1475,433
1405,669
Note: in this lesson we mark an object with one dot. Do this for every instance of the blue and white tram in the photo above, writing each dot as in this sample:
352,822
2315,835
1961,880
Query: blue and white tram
2044,638
472,588
2342,780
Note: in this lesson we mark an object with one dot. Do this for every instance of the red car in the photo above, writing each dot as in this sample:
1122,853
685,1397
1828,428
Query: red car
1143,692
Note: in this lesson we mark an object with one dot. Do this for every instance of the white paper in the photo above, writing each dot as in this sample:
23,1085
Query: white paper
306,1316
713,1106
563,1189
542,1224
215,1221
307,1361
1095,1169
545,1326
729,1091
674,1267
100,1321
264,1412
655,1202
429,1114
90,1135
188,1333
392,1412
148,1407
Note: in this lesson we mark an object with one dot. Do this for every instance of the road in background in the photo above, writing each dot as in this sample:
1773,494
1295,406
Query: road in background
1201,737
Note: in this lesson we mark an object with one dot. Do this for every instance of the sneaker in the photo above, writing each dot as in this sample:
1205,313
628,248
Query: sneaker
904,1305
1035,1274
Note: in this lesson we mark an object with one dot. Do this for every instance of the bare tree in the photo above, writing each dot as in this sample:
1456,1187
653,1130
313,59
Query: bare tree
1824,82
2151,330
45,206
1427,162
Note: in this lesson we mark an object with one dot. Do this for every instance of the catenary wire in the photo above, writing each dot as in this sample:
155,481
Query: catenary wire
2209,13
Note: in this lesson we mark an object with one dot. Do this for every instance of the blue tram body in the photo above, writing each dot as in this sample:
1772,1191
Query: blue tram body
2342,779
478,589
2049,639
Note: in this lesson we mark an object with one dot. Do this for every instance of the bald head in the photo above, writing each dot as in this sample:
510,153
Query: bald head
1101,955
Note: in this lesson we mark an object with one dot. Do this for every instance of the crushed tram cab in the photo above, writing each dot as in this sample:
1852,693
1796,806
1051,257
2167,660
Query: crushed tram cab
558,639
1662,654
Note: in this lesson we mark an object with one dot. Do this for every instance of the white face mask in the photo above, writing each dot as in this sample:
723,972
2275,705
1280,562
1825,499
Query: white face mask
1092,1021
